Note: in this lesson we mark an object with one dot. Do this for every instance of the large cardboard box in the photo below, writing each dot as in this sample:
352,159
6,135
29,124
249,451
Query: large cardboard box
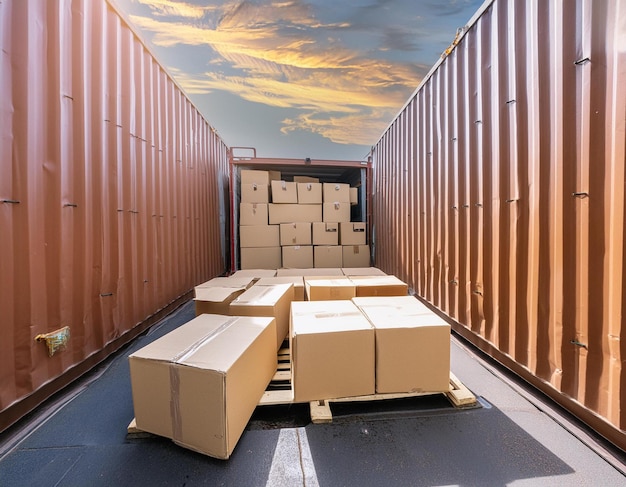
253,176
284,192
362,271
254,193
259,236
288,213
200,383
332,351
356,255
298,256
325,233
379,286
261,300
297,233
352,233
336,192
330,288
309,193
253,214
255,274
412,345
310,272
327,256
260,258
215,295
336,212
296,281
305,179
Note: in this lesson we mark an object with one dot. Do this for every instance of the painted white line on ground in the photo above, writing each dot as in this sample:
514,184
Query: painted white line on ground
292,464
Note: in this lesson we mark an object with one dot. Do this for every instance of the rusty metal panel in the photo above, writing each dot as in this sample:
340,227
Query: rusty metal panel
499,196
110,184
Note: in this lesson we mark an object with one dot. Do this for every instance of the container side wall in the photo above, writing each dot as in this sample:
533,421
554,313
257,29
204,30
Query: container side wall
110,184
499,196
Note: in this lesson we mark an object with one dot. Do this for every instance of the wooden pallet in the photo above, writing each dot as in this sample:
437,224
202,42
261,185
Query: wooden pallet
459,395
280,392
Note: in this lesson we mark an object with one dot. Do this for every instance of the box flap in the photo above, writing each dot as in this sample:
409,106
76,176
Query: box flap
398,312
326,316
216,294
262,295
186,345
240,281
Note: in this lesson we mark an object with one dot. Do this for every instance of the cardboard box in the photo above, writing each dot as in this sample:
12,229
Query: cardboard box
274,176
327,256
263,300
309,193
305,179
298,233
284,192
412,345
356,255
309,272
329,288
296,281
289,212
215,296
337,212
260,258
255,193
200,383
255,274
325,233
332,351
253,176
354,196
352,233
297,256
336,192
259,236
253,214
379,286
362,271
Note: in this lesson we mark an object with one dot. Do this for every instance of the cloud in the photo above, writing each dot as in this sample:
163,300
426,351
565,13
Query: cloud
361,128
280,54
176,8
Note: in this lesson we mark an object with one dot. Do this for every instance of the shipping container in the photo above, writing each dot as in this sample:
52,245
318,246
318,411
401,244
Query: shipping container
496,194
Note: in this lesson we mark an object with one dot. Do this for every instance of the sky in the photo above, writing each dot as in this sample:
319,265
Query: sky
299,78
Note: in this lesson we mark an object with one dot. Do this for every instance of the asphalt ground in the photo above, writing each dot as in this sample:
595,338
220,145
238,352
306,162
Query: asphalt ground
515,437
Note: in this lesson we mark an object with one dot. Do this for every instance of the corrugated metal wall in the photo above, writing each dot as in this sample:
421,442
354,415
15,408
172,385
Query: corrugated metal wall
110,184
504,177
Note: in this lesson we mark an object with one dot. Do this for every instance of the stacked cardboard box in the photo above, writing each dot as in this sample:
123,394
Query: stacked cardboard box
258,240
298,224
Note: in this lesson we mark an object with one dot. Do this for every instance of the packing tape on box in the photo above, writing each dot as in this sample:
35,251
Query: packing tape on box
177,420
284,185
337,315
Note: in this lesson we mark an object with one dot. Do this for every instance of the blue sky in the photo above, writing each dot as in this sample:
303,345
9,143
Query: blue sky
296,78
